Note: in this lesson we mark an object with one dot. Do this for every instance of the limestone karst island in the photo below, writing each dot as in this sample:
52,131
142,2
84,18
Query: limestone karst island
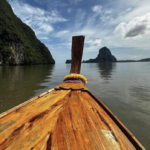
104,55
18,42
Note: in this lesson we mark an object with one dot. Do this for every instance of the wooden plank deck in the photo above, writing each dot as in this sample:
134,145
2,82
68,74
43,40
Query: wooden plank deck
67,117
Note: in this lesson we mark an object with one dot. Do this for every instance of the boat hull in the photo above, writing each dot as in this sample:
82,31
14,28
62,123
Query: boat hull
66,117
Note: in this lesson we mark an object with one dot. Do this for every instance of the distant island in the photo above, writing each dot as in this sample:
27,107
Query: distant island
18,42
106,56
141,60
68,61
146,59
103,56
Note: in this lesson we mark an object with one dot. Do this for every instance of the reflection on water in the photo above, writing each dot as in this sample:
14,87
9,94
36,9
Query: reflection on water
19,83
106,70
68,67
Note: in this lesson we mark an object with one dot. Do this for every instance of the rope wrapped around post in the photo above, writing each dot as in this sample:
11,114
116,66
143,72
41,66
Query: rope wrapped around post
75,78
77,51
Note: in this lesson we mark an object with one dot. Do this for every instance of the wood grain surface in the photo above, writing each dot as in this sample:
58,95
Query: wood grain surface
76,53
74,86
69,119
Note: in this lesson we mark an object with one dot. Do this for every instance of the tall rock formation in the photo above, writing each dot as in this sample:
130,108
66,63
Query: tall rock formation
18,43
103,56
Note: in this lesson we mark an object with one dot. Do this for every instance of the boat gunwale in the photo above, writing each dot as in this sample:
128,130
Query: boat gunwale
25,103
122,127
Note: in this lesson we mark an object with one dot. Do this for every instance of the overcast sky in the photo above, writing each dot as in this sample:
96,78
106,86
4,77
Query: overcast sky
121,25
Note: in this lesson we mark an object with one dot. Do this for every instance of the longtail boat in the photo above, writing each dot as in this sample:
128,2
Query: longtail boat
67,117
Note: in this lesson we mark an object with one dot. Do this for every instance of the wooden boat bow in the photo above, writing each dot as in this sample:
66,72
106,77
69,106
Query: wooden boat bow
67,117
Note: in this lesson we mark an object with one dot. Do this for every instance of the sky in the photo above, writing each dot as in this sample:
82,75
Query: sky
121,25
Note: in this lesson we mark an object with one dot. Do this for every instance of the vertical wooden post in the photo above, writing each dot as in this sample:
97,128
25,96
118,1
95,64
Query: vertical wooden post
77,51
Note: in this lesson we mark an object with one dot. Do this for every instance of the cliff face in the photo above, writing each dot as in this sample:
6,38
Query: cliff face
18,52
13,54
103,56
18,43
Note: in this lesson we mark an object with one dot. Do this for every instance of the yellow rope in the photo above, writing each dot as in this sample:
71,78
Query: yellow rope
75,76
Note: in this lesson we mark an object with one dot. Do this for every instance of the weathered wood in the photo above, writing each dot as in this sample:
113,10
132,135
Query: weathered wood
32,122
24,104
122,127
73,86
111,135
64,119
77,51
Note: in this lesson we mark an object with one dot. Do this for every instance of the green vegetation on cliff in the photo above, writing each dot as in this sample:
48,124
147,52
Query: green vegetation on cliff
14,31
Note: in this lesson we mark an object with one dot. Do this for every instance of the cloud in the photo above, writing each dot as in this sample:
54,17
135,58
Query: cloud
136,27
44,27
108,11
105,18
101,10
128,9
69,10
79,18
97,8
137,30
76,1
61,33
103,13
96,42
40,20
51,3
44,38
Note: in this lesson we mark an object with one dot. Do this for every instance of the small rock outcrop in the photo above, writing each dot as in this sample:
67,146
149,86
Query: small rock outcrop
68,61
103,56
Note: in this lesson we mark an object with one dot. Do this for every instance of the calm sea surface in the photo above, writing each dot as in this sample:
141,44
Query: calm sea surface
123,87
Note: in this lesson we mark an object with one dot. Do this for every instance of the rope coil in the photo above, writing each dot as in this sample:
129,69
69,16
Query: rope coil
75,78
